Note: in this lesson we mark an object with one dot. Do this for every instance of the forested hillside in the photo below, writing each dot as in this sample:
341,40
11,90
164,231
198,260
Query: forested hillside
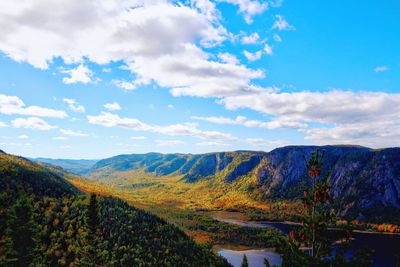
365,182
45,221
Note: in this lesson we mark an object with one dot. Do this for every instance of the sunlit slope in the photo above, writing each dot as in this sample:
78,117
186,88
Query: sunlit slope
364,182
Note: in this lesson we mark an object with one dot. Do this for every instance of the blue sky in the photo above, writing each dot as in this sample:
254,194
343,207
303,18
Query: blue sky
96,79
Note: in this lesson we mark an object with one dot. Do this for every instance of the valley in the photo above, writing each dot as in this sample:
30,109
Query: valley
206,195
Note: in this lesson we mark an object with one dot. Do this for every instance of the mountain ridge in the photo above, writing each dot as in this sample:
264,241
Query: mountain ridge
365,182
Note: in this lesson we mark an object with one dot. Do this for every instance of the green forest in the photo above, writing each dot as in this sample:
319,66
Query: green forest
44,221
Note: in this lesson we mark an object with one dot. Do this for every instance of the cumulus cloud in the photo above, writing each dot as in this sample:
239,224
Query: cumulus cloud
364,118
23,136
112,106
281,24
241,120
74,105
80,74
268,49
250,39
228,58
125,85
142,34
221,120
381,69
3,124
13,105
252,56
249,8
187,129
32,123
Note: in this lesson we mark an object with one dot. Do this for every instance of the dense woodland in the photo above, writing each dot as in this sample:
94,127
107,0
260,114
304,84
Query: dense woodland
44,221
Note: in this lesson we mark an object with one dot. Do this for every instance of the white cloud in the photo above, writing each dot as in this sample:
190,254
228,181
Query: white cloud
363,118
170,106
13,105
252,56
73,133
112,106
276,3
250,39
32,123
249,8
381,69
241,120
268,49
168,142
281,24
277,38
141,34
187,129
228,58
23,136
207,8
74,105
221,120
3,124
80,74
124,84
65,147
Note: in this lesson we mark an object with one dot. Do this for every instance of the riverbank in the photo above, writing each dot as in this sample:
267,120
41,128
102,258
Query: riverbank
241,220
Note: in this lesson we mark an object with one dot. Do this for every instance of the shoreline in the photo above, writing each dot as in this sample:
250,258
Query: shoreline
246,223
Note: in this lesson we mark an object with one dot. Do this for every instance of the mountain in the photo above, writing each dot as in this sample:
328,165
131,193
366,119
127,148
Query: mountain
46,221
75,166
364,182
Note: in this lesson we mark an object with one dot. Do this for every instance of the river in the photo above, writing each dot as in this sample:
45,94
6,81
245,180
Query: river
386,247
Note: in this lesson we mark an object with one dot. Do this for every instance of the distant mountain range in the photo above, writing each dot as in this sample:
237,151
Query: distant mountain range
76,166
364,182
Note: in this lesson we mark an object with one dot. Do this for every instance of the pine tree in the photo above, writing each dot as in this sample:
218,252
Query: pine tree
314,232
245,263
93,215
23,231
91,243
266,263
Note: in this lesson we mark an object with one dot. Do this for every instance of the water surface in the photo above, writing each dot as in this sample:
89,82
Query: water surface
386,247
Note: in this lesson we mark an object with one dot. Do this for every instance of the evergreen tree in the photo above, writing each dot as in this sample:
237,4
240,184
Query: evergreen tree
313,232
245,263
23,231
93,215
91,242
266,263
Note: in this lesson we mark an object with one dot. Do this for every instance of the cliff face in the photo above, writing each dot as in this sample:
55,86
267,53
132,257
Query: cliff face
364,182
